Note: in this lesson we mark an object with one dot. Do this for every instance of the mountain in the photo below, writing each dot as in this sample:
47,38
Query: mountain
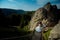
48,12
14,17
10,19
10,11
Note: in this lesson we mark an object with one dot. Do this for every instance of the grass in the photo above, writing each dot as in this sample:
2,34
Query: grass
46,35
24,30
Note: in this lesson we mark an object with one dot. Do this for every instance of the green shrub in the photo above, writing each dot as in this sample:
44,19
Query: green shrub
46,35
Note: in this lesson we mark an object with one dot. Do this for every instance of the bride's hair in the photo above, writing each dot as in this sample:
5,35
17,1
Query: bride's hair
39,23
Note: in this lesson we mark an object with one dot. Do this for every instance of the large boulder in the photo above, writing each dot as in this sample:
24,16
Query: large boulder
55,32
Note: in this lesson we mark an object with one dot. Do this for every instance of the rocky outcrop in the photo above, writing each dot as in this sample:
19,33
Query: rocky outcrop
36,18
55,33
42,13
50,13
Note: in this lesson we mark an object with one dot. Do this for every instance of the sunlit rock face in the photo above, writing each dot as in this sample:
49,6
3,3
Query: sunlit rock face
48,6
55,33
49,15
37,17
48,12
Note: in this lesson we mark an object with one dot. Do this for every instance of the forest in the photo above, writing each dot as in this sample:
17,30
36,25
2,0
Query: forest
12,22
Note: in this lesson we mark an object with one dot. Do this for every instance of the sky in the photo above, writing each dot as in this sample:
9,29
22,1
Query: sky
27,5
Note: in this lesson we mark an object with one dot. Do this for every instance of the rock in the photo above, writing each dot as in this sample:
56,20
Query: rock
55,32
48,6
50,13
39,15
36,18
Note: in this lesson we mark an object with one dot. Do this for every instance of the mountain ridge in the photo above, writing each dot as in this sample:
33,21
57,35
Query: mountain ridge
6,11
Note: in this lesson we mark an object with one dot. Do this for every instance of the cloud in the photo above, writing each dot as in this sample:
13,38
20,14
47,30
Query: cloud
55,1
41,2
32,0
58,6
11,0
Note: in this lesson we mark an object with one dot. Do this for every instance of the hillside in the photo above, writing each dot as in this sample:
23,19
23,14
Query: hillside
10,19
6,11
14,17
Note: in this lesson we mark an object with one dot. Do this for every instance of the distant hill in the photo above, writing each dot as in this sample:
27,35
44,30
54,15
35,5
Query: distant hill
11,11
14,17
